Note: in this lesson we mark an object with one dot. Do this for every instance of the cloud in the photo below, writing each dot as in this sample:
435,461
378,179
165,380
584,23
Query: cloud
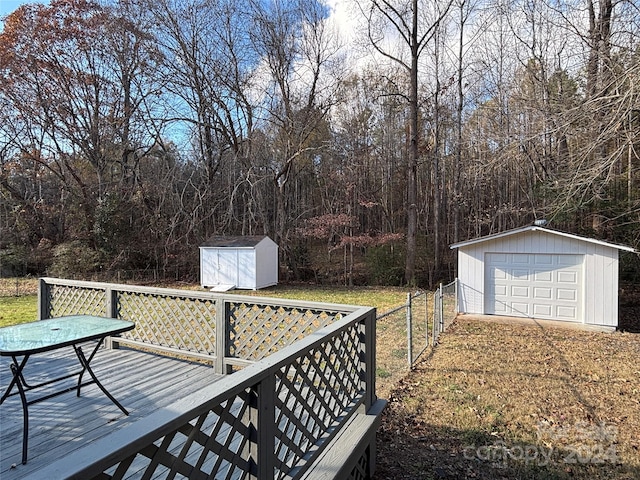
342,16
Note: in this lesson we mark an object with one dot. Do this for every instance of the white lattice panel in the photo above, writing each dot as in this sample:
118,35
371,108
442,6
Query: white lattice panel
187,324
69,300
256,330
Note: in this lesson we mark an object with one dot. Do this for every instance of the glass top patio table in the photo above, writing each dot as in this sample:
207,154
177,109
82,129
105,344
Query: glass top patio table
27,339
53,333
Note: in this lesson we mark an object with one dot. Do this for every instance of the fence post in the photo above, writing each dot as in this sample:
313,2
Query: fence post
441,308
409,335
455,292
434,335
426,319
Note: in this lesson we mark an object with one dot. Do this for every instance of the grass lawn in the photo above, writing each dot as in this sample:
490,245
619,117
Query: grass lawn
18,300
498,401
18,309
383,298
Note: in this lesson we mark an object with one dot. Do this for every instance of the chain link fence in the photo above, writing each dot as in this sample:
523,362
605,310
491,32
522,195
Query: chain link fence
409,330
445,308
18,286
402,334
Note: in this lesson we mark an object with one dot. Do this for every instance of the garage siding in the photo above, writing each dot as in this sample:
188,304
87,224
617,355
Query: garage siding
600,306
602,290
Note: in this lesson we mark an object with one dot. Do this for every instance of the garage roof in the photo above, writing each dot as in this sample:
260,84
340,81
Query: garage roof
535,228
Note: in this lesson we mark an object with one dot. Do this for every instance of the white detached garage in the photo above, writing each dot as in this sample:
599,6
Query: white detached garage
246,262
536,272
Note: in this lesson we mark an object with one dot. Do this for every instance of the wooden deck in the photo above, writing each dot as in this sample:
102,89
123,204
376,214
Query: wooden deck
142,382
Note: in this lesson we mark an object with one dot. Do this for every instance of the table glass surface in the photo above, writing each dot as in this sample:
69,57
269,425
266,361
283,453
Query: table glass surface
55,332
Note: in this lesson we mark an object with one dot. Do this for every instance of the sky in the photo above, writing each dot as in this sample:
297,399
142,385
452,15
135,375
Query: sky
8,6
337,6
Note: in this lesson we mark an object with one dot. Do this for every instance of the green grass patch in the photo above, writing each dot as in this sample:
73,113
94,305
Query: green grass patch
400,353
383,298
15,310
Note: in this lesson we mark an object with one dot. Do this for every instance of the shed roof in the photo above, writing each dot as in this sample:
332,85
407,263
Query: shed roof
242,241
535,228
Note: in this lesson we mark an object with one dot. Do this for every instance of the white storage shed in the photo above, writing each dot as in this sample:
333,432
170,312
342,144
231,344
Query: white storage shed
536,272
245,262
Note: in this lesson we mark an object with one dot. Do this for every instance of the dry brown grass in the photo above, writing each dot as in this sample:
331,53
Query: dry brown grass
392,342
513,401
17,287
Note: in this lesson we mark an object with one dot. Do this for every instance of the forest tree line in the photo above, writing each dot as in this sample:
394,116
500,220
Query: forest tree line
131,131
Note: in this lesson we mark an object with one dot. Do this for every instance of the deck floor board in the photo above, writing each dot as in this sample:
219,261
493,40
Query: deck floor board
141,381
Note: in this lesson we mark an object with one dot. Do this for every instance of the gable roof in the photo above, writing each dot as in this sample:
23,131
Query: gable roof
242,241
535,228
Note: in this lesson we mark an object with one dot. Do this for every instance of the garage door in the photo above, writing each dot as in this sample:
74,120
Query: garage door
534,285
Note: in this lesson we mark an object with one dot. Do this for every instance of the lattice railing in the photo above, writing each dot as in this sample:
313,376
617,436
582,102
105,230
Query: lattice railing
269,421
257,330
315,392
231,330
170,320
69,300
218,440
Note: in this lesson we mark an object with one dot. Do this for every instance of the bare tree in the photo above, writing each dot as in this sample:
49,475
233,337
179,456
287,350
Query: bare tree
300,63
413,25
73,97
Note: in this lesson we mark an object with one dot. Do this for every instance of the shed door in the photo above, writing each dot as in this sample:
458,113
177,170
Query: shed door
208,267
546,286
227,266
246,269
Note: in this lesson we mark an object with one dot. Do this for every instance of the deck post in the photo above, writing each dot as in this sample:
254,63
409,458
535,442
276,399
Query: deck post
43,299
262,424
226,338
370,358
222,334
111,311
111,303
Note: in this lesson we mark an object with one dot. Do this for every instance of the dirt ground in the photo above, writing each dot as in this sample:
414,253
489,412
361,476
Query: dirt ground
505,401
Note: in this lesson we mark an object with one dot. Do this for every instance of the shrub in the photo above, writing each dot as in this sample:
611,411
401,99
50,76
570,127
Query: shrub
385,265
74,259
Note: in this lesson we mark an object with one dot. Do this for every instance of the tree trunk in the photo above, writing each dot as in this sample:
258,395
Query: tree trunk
412,168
